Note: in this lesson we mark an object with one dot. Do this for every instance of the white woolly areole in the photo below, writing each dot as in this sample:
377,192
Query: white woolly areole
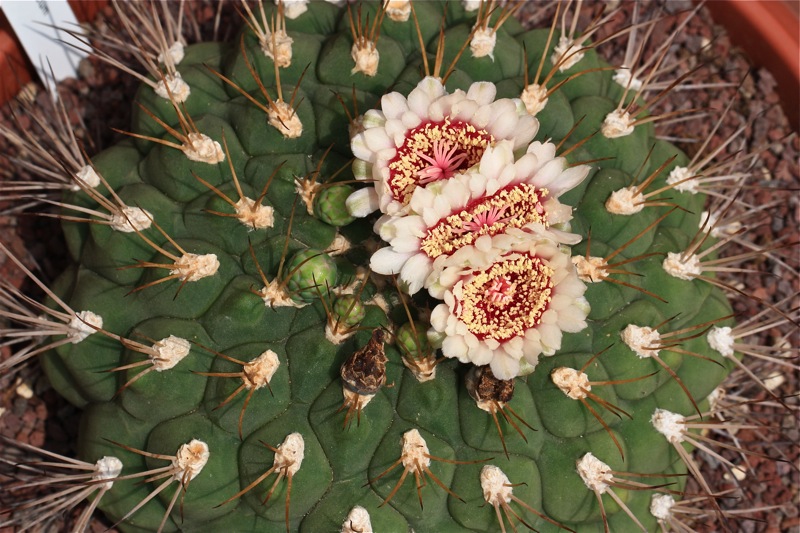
175,52
190,460
534,96
573,383
88,176
398,10
337,333
81,324
354,399
424,369
594,473
566,47
131,219
626,201
340,245
202,148
471,5
686,269
618,123
274,295
676,178
490,406
721,339
591,269
624,78
669,424
357,521
193,267
106,468
290,454
714,397
283,118
169,352
496,487
661,506
710,220
278,47
307,189
293,8
253,215
640,339
366,58
173,85
483,43
258,372
415,452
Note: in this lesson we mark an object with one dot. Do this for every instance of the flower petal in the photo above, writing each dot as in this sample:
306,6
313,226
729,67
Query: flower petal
415,271
362,202
386,261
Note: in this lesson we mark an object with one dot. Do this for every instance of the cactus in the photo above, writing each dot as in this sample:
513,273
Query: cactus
287,308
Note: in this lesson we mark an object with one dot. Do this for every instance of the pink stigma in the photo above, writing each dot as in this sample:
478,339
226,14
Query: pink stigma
443,164
486,219
500,291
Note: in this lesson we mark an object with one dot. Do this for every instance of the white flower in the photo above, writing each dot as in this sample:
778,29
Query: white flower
432,135
516,305
500,198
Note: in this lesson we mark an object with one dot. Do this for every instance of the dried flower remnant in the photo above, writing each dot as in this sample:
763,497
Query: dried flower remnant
363,375
493,395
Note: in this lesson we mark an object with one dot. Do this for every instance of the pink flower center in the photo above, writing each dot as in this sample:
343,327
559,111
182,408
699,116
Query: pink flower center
500,291
443,164
485,219
433,151
507,298
511,207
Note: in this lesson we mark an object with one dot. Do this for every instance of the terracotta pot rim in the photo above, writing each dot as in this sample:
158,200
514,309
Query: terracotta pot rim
769,31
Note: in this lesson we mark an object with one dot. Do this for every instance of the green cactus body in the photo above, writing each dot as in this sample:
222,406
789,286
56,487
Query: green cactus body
227,322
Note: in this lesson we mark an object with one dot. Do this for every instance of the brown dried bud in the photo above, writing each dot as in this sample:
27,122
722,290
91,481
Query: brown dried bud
484,387
364,372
